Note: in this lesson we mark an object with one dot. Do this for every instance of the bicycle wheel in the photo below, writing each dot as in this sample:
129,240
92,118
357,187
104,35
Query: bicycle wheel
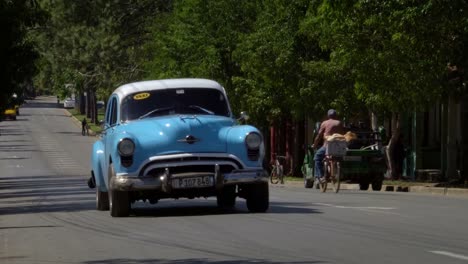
336,176
326,175
274,175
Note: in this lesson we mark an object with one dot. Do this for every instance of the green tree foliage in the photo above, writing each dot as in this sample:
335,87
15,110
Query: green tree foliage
271,58
94,45
198,38
395,50
278,59
16,50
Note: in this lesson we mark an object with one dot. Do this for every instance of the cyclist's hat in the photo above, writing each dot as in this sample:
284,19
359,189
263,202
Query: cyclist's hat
331,113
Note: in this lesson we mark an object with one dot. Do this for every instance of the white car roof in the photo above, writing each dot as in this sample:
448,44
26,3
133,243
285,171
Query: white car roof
136,87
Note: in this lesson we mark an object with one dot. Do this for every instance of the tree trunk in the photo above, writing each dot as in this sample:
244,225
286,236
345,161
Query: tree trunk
396,131
82,104
88,103
299,150
452,138
92,106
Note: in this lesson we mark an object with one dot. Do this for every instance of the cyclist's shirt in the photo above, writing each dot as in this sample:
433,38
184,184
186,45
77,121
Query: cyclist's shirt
330,127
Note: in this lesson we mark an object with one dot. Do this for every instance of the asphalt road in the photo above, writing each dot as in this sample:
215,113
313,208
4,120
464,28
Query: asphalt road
47,215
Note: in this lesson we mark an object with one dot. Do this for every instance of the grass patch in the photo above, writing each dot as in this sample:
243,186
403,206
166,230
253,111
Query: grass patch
293,178
94,127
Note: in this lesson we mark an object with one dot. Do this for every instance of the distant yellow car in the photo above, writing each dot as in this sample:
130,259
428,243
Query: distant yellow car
10,113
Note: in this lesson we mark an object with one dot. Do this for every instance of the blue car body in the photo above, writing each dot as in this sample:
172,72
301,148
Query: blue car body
176,138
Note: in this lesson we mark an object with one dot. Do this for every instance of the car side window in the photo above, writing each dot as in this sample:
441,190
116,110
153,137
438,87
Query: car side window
113,114
108,112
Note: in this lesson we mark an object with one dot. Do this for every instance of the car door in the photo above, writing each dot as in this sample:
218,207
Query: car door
110,124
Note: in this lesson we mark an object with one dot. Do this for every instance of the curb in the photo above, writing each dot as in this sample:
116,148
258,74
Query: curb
453,192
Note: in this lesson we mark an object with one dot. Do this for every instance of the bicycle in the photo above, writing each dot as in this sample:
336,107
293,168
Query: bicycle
277,172
85,130
332,165
333,173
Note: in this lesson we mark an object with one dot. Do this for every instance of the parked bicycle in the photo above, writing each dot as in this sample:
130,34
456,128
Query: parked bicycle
277,171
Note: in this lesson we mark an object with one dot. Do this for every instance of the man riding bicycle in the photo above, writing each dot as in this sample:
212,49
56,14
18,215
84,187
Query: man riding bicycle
328,127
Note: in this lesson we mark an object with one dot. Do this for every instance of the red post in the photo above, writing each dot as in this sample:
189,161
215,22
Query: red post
272,142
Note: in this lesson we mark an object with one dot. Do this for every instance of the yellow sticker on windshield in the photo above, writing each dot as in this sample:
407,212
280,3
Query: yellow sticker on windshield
141,96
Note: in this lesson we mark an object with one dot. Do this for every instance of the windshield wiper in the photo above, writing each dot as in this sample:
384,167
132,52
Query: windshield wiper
157,110
199,108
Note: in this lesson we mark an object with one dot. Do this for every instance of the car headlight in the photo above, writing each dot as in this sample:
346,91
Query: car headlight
126,147
253,140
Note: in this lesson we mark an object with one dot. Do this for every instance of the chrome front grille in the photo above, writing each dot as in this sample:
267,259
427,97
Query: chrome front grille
197,169
178,164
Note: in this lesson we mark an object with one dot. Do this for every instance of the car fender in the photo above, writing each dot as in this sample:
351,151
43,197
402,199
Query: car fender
235,139
98,163
114,156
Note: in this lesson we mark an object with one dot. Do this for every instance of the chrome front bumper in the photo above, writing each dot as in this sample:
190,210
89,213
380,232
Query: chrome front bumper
163,182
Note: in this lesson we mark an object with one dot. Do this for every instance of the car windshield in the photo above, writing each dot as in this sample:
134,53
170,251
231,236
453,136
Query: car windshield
199,101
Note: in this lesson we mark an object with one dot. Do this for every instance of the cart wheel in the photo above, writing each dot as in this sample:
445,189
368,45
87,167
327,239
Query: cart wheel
308,183
364,186
377,185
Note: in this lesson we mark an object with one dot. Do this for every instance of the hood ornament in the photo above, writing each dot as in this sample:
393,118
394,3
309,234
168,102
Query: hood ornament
189,139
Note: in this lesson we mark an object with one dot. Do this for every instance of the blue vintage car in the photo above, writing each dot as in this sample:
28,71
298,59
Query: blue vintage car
176,138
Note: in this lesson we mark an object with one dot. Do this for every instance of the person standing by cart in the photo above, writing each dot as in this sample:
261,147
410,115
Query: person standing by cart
328,127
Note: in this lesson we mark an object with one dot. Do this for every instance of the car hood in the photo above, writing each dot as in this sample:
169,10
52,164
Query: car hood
180,134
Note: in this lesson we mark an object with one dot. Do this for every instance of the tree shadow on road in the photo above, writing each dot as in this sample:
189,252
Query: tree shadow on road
41,104
44,193
209,207
78,133
178,261
52,193
194,261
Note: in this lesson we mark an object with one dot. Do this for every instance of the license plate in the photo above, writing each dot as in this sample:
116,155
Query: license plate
192,182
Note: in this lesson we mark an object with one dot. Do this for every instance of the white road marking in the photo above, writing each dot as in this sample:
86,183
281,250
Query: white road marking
450,254
357,207
15,166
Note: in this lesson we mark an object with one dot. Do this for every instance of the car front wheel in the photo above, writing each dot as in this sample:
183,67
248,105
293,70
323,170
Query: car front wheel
119,201
258,197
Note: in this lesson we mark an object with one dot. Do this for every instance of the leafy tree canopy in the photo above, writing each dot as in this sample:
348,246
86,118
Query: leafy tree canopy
16,50
396,51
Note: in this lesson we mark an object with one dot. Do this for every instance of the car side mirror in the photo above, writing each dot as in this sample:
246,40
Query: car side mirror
243,117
